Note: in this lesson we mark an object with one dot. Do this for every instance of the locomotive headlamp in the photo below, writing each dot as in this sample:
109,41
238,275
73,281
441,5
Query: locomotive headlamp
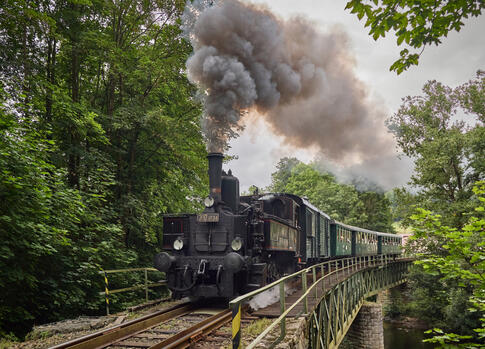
178,244
236,244
208,201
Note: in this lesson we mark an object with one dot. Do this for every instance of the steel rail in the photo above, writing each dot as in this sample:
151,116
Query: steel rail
184,338
116,333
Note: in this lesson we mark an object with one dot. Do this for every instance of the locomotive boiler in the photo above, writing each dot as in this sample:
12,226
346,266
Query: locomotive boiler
237,244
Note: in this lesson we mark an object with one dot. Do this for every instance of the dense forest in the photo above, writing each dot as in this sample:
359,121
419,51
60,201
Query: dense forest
443,130
100,136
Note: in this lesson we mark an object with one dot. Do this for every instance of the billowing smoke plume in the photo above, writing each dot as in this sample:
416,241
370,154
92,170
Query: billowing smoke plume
300,80
378,174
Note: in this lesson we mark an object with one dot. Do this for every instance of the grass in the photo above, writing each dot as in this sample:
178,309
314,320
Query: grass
256,327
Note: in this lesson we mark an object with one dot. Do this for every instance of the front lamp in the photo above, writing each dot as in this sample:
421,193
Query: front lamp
208,202
178,244
236,244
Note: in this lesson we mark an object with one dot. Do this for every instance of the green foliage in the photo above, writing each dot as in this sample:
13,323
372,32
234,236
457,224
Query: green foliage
416,23
398,302
279,178
54,238
99,136
252,190
449,159
455,259
449,154
342,202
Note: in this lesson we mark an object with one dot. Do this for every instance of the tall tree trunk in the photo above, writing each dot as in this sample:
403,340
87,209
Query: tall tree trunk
26,65
51,70
73,158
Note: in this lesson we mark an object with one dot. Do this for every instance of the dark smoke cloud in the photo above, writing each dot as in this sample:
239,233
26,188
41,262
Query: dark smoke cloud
300,80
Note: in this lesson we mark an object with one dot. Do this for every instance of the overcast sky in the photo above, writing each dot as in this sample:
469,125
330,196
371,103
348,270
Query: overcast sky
455,61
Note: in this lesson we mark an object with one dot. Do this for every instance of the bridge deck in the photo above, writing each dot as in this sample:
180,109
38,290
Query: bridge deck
273,310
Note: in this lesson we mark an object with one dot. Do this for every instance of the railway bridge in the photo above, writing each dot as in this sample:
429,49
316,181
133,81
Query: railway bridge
327,296
323,300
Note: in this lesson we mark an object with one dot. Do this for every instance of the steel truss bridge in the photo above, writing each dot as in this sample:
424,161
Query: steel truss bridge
330,300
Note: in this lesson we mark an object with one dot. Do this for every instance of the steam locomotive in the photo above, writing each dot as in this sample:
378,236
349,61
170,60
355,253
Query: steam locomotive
240,243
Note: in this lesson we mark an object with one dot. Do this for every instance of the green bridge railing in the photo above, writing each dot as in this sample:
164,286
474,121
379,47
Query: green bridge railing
337,306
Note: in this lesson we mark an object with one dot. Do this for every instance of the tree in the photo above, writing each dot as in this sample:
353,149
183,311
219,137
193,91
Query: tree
416,23
377,209
448,152
99,136
342,202
455,257
54,238
280,177
449,159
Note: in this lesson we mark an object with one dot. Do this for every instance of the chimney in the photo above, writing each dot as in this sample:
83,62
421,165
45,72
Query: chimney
215,172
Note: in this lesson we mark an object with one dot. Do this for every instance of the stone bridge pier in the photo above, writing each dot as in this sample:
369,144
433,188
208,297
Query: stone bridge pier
367,331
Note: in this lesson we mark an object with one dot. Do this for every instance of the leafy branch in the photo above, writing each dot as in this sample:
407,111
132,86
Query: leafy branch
416,23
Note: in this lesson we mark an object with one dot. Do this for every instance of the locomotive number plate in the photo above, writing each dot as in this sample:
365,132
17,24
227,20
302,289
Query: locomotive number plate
208,217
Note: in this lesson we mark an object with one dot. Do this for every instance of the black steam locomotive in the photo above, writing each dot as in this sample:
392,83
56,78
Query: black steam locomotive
238,244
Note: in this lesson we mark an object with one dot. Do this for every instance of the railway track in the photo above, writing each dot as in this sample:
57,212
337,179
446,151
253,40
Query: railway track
172,328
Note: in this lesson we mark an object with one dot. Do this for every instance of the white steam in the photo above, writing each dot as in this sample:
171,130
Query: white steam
268,297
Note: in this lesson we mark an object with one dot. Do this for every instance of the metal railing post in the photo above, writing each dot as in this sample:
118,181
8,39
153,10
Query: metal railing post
304,287
323,274
314,275
282,310
236,326
106,291
146,284
323,282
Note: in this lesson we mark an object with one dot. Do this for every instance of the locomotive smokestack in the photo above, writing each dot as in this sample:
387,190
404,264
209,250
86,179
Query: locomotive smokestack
215,172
